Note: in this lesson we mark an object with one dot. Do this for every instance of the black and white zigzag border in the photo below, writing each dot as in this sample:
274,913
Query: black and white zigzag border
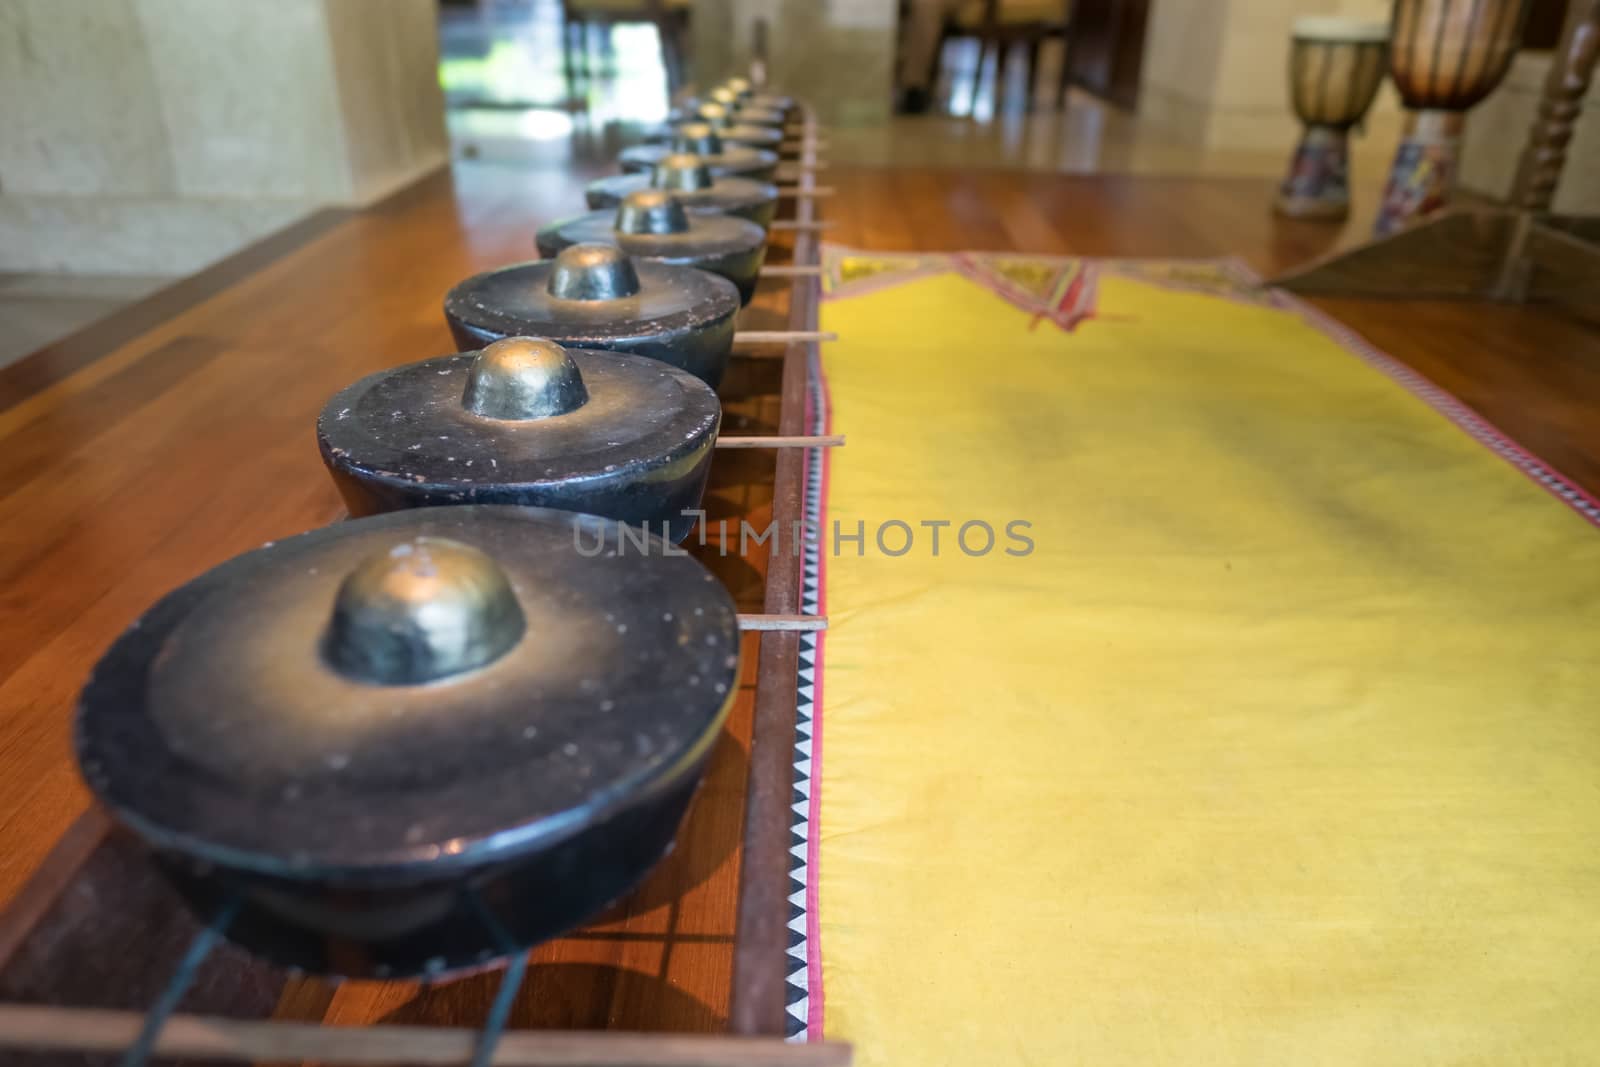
797,992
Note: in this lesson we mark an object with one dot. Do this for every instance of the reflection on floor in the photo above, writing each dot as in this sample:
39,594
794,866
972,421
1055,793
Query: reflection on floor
993,125
505,83
510,57
1087,137
41,308
509,97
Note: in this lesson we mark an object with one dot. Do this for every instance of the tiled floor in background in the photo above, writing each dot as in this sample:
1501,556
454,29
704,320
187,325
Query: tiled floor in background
1087,136
509,104
508,94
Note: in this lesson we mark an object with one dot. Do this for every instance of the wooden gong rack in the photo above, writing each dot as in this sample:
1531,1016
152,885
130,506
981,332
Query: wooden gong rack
97,953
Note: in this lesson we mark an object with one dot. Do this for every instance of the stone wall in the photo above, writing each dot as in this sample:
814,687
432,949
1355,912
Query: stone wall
155,136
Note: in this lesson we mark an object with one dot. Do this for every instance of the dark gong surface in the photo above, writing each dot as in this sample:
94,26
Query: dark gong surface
732,161
637,448
759,117
747,134
678,315
784,105
724,160
655,230
741,197
350,813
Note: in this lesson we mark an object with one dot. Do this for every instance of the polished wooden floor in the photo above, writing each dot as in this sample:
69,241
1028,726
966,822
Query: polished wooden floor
180,433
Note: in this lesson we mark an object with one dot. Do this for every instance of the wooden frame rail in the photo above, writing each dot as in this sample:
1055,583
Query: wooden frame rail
760,961
234,1016
246,1041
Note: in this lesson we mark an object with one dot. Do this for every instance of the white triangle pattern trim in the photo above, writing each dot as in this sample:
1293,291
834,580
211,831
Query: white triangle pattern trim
798,980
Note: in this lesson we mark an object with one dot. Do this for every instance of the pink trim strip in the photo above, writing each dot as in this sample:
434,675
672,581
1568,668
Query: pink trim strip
822,424
1439,399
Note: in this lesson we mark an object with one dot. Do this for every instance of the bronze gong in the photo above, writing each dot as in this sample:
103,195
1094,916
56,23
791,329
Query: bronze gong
595,296
525,421
412,743
688,178
651,225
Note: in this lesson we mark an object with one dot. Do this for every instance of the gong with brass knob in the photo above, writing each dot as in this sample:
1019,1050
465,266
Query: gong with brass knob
413,743
596,296
653,225
525,421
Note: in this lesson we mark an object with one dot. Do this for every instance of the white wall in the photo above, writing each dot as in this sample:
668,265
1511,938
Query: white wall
1216,71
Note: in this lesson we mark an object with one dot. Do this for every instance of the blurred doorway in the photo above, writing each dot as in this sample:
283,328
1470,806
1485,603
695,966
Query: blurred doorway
513,95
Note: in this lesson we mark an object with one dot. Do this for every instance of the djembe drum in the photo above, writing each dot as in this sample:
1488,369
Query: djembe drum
1446,56
1335,68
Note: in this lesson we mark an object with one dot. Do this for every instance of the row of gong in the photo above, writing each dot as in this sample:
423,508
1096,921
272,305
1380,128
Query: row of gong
434,735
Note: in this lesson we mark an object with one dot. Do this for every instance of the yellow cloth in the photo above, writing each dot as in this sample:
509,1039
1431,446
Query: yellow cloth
1282,747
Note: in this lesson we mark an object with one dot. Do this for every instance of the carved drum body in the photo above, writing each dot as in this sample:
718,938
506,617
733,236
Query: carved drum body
1446,56
1336,66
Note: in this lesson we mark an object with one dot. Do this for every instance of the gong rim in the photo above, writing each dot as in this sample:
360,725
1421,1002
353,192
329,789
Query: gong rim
743,197
734,161
747,135
710,238
277,798
407,433
513,301
766,118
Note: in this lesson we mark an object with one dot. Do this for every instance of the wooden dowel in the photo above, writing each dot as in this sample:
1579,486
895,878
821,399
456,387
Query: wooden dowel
213,1038
769,623
781,337
792,270
827,440
805,190
809,227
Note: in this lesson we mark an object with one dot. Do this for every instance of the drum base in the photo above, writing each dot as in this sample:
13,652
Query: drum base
1317,186
1423,171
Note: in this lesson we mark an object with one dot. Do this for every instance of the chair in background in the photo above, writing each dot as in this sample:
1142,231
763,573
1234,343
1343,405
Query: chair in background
1000,25
669,17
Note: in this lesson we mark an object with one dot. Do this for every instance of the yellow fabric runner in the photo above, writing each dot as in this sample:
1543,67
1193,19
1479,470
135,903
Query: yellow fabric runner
1281,747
